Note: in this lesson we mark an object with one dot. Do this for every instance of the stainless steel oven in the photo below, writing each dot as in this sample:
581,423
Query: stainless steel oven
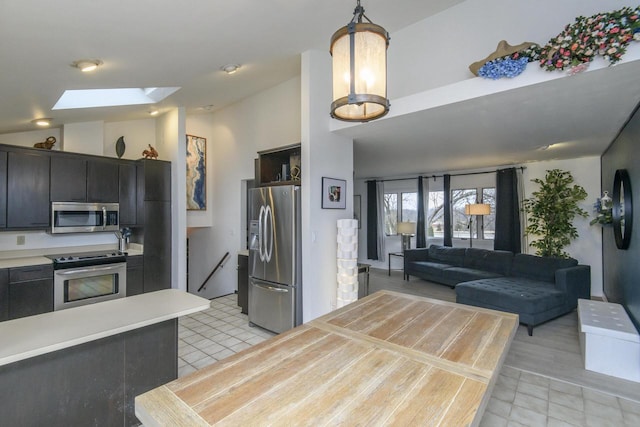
88,278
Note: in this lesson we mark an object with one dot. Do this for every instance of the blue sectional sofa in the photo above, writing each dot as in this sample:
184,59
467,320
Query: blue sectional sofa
536,288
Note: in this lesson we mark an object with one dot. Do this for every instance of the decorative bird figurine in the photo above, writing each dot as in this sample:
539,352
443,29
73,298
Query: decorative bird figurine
151,153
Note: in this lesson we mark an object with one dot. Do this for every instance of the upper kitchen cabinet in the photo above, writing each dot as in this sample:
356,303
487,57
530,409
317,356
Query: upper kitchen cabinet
3,189
127,193
156,175
279,166
27,190
102,180
68,179
77,178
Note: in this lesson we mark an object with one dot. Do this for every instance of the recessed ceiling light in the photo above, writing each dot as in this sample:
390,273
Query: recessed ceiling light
230,68
44,122
86,65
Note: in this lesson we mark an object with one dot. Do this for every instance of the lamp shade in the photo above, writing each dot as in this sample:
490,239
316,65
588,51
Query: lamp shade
406,228
477,209
359,52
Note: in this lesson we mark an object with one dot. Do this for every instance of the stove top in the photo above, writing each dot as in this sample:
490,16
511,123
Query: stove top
87,259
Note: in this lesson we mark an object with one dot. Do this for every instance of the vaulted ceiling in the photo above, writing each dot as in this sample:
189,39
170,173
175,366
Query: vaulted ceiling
152,43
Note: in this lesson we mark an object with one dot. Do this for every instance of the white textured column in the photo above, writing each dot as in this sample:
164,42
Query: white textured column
347,258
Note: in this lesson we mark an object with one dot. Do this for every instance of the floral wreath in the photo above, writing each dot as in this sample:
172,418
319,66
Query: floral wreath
605,34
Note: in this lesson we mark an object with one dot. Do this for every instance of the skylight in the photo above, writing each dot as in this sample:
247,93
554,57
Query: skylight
92,98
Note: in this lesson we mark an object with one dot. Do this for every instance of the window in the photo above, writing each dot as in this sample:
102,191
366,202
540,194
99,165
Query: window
459,220
435,215
483,226
399,207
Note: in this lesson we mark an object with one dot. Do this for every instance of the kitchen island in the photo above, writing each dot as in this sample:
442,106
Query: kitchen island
387,359
85,365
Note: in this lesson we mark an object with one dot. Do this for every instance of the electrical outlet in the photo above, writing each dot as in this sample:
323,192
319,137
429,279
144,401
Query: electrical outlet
20,240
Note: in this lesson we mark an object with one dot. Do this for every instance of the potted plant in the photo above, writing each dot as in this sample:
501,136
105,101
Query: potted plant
551,211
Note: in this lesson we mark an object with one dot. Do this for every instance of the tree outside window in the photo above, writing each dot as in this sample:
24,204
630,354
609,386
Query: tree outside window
399,207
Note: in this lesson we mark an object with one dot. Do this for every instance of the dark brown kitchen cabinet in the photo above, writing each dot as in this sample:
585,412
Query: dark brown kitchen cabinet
4,294
30,290
154,213
3,189
68,179
157,246
77,178
27,190
135,275
102,180
127,194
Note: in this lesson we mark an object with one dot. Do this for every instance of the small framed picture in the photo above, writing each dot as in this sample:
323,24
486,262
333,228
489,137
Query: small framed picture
334,193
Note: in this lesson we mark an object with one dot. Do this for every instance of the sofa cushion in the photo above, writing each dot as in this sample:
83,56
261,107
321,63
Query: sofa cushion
430,269
463,274
539,268
513,294
493,261
447,255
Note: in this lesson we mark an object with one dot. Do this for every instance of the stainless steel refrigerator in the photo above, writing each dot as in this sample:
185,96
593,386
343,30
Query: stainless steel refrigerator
275,268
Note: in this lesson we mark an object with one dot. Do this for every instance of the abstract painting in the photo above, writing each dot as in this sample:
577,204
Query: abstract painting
196,173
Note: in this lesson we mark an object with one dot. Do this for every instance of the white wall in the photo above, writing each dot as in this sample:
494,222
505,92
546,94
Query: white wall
234,136
27,139
587,248
323,155
138,134
431,54
170,137
85,137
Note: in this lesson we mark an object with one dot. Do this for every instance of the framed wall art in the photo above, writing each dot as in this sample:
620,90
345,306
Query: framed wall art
334,193
196,173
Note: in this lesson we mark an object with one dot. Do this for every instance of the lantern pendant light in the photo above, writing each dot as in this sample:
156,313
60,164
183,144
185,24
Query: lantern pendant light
359,52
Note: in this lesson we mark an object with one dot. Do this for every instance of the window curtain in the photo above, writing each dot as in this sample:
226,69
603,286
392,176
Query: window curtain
382,254
372,221
508,234
447,211
421,238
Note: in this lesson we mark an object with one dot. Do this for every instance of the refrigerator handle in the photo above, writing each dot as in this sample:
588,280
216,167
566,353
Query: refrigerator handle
268,221
260,236
270,288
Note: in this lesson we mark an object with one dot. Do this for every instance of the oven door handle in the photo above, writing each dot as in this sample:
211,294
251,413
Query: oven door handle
85,270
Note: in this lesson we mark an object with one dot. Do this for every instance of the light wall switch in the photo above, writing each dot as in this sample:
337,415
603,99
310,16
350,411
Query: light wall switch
20,240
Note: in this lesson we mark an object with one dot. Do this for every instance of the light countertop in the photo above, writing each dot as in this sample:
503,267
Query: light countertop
35,335
26,258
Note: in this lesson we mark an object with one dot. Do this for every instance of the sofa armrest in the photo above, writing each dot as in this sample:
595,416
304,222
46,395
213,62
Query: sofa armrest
575,282
410,255
421,254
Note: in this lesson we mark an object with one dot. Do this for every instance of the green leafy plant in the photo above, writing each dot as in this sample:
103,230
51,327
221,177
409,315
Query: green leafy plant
551,211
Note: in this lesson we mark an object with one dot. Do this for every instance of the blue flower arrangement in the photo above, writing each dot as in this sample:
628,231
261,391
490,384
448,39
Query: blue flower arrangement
503,67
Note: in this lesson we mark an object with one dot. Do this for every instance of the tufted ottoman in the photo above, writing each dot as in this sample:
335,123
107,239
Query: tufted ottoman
535,301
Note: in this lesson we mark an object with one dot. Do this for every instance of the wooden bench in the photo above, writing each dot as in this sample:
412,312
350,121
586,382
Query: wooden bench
610,343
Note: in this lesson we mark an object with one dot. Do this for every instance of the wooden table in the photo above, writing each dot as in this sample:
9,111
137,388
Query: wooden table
387,359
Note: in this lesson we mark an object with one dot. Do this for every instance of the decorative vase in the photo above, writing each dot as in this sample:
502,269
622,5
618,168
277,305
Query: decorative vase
120,146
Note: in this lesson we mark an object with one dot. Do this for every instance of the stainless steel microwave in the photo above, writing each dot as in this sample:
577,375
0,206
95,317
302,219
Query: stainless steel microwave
72,217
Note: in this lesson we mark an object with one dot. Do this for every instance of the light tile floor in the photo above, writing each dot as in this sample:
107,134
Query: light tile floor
519,398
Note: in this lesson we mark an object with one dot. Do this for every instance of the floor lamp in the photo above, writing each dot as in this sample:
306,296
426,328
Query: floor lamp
472,210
